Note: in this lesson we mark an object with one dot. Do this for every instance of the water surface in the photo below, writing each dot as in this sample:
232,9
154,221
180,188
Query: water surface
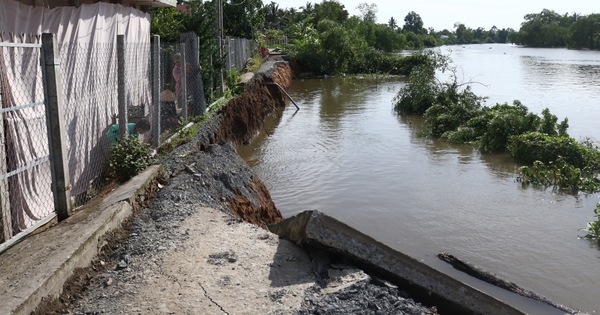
349,155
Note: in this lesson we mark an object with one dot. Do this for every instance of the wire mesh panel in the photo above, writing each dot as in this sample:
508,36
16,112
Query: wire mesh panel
89,86
182,89
170,89
193,69
137,86
238,51
25,177
91,98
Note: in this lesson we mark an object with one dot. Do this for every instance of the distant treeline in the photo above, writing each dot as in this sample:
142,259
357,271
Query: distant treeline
550,29
325,39
544,29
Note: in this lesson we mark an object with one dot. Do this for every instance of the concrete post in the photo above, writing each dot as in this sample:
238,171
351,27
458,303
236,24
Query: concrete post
121,86
221,59
183,81
7,231
155,68
195,79
55,120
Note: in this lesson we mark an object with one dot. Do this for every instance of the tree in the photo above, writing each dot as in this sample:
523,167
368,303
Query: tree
413,23
368,12
585,32
272,15
330,10
464,35
199,17
392,23
168,23
480,35
241,18
340,45
545,29
504,34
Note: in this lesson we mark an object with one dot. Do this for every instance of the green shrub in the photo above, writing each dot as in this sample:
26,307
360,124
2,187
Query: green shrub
128,158
452,108
423,90
233,81
593,227
560,175
419,94
460,135
503,122
558,161
537,146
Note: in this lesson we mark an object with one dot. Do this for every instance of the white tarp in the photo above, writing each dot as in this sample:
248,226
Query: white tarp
87,41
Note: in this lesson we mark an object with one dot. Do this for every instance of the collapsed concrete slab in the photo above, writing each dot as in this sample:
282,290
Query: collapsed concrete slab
317,230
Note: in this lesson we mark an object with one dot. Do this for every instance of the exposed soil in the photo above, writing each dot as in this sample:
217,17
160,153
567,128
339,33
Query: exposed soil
199,246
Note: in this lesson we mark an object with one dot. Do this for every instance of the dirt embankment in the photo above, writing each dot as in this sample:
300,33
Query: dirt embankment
244,194
244,116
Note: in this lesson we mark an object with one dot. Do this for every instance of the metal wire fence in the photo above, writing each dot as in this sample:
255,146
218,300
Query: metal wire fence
90,86
25,177
90,104
182,89
171,109
98,84
237,52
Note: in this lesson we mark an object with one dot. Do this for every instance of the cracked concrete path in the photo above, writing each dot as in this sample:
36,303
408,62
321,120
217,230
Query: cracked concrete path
224,267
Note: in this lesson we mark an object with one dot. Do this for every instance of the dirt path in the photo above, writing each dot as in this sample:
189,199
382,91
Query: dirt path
219,266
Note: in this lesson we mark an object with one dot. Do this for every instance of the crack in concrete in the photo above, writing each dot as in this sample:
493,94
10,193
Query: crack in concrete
213,301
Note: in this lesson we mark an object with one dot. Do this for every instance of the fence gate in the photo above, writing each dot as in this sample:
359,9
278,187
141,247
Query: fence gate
26,199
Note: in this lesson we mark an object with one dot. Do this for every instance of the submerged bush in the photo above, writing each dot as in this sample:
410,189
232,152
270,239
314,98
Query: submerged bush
558,161
451,109
537,146
419,94
423,90
593,228
559,175
455,113
502,121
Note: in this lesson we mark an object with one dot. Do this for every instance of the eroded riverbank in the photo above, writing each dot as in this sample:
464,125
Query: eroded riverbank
189,252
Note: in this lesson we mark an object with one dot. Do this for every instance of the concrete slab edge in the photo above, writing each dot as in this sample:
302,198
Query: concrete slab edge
133,188
120,208
312,228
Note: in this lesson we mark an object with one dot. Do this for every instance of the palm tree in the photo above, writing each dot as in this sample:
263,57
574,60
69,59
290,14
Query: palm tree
271,12
392,23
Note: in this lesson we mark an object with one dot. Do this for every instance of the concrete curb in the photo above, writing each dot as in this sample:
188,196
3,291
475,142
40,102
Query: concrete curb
39,266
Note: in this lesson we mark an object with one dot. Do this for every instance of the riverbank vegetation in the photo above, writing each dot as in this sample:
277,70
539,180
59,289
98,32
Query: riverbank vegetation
551,29
593,228
453,112
324,39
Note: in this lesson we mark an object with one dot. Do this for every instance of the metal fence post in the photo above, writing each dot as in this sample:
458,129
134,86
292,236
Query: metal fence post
199,99
55,119
121,86
195,79
229,54
183,81
7,230
221,59
155,68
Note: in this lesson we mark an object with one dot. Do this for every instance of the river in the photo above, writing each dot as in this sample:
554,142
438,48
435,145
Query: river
346,153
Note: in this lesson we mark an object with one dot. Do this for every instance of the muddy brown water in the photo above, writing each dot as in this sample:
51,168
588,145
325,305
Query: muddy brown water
349,155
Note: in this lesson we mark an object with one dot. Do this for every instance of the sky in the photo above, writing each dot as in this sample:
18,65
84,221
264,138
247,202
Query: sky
442,14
